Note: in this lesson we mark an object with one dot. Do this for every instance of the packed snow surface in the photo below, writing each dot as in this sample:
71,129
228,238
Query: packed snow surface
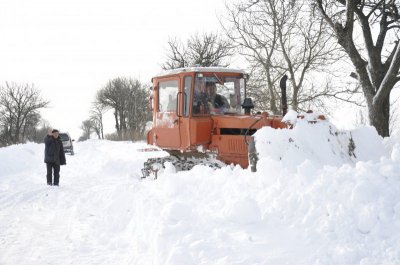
320,196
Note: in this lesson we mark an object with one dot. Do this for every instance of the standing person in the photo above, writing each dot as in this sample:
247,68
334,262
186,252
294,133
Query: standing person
54,156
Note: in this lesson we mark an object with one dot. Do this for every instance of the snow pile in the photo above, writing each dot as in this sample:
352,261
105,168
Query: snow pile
318,141
396,153
348,214
328,207
17,158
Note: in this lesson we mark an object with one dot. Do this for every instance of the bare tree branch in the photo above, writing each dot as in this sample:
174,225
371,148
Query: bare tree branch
280,36
19,106
376,78
199,50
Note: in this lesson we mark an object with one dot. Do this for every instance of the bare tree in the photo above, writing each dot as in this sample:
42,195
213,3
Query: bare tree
277,37
115,95
36,134
200,50
96,116
19,111
377,59
263,86
176,54
252,28
128,99
137,109
87,128
29,128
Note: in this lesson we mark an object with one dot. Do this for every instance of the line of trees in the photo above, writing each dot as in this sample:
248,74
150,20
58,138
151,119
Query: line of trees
280,37
276,37
310,41
128,99
19,113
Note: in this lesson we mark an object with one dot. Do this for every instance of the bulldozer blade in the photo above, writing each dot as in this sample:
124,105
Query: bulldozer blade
253,156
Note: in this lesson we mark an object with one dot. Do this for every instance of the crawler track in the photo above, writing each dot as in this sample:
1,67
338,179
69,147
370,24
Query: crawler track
181,161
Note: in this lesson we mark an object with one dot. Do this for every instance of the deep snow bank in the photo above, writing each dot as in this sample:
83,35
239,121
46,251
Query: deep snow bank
20,157
321,209
306,215
339,188
320,142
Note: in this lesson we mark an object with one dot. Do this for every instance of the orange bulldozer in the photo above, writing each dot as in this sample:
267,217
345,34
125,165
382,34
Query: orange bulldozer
202,115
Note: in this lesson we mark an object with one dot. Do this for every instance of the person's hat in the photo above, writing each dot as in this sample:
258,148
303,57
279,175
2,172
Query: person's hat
54,131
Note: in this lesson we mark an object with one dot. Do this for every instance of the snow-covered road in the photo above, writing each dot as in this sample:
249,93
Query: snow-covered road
102,213
87,220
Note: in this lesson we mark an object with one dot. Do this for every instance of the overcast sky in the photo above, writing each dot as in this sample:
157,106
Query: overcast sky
69,49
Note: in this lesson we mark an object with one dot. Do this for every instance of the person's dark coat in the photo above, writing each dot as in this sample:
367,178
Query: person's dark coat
54,151
221,102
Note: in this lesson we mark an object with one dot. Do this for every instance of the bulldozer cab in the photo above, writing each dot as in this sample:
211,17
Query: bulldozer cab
184,101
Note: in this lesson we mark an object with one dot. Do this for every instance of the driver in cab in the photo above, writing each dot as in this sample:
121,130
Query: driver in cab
218,103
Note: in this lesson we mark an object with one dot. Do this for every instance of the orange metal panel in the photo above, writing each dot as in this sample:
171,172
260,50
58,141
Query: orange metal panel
231,149
200,130
165,132
185,133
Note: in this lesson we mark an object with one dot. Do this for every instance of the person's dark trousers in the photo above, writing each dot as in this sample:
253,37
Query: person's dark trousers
50,168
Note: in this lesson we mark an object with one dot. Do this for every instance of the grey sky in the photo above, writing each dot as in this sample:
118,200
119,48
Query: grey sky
69,49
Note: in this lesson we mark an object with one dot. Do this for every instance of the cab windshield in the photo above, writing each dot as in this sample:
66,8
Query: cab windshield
218,95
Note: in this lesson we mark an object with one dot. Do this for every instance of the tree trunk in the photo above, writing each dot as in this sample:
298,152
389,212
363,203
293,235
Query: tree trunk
9,133
272,100
117,125
98,133
101,128
23,133
379,116
295,100
122,125
17,131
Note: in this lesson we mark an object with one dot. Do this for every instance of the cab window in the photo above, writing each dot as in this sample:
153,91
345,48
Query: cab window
186,95
168,91
218,95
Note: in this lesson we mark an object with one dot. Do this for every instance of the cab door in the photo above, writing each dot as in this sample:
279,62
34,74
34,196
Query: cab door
166,129
185,117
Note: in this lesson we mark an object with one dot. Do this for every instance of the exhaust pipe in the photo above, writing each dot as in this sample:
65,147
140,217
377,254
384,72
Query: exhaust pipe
283,96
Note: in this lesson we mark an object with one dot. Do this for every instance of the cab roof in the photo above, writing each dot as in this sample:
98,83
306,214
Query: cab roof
200,70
